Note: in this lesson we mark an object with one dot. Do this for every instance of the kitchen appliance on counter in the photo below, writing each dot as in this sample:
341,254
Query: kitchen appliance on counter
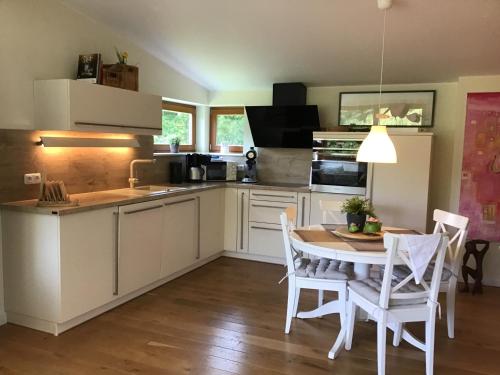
334,166
194,166
176,172
250,167
220,170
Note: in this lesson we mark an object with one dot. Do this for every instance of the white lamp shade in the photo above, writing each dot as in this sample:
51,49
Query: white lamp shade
377,147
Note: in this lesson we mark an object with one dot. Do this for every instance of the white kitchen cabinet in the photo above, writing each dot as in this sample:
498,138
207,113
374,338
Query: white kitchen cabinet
88,264
266,240
316,214
140,245
268,212
303,209
211,222
230,219
58,268
64,104
273,195
242,219
180,233
401,191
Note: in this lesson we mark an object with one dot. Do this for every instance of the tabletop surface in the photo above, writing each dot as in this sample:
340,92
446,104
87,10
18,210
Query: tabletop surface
341,250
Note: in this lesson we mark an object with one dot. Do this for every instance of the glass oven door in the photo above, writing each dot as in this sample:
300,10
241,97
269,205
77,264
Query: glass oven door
335,169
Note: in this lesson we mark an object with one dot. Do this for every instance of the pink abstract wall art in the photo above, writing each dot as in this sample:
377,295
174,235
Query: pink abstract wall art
480,188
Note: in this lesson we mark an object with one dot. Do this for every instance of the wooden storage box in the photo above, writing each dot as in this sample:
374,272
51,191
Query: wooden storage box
121,76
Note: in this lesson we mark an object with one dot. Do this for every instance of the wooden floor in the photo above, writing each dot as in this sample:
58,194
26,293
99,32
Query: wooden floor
228,318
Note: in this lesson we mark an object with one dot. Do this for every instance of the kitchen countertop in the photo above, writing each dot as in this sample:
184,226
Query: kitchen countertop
121,197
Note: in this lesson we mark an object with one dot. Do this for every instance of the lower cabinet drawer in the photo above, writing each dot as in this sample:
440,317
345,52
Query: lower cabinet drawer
266,239
268,212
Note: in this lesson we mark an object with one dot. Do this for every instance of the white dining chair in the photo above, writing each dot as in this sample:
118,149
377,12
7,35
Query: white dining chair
331,213
318,274
392,302
457,227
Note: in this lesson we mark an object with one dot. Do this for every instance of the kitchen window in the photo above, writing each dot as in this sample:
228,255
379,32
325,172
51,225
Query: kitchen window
227,125
178,120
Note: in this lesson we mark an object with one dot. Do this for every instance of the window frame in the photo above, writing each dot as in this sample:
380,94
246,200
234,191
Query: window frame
179,107
214,111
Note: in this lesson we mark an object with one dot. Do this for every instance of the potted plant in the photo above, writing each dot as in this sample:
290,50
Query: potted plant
174,144
356,209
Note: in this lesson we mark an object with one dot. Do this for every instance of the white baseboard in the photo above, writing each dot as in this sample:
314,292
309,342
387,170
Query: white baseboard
490,281
258,258
57,328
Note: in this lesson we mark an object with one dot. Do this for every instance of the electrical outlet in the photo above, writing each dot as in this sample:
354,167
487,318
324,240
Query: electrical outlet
32,178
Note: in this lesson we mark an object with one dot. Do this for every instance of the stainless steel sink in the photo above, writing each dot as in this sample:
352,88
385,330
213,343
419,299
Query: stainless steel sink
159,188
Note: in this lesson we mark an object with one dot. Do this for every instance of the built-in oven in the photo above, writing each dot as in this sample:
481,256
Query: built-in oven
334,167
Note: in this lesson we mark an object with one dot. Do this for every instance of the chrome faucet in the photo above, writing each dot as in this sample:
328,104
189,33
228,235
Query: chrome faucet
132,179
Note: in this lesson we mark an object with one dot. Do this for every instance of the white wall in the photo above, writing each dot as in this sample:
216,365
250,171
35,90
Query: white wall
42,40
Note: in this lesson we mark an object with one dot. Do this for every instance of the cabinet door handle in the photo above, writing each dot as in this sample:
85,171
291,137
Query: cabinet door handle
198,212
142,210
262,205
116,253
272,195
265,228
303,209
242,216
179,202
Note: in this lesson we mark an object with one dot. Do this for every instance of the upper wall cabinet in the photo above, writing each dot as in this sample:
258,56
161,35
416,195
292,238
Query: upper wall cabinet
64,104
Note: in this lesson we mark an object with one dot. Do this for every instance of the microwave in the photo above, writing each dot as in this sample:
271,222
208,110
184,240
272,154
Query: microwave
220,171
334,167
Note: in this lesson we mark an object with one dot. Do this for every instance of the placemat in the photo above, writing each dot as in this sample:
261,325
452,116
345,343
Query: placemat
317,236
367,246
403,231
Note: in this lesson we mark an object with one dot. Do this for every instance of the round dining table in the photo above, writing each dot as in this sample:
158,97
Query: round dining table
343,251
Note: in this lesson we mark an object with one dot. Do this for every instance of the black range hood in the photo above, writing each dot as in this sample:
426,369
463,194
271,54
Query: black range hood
288,123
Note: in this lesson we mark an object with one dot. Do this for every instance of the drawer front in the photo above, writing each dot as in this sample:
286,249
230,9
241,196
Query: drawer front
274,196
266,239
268,212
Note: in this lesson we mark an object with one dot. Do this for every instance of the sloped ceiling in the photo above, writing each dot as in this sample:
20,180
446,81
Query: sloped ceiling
249,44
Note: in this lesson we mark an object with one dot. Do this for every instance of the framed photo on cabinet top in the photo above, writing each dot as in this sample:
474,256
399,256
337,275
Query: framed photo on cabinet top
399,109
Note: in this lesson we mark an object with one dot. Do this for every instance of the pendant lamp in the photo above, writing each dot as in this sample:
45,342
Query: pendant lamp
377,147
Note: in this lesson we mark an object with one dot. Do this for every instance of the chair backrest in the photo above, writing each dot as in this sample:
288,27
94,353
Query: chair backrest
289,252
396,246
457,227
331,212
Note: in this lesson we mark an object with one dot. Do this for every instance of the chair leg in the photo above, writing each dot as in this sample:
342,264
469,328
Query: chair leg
321,295
292,295
450,309
430,328
381,343
351,317
396,340
296,304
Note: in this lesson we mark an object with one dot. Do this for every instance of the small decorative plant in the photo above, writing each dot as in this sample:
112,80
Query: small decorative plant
356,210
174,144
122,56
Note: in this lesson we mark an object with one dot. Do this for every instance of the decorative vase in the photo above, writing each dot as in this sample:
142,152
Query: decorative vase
359,220
174,148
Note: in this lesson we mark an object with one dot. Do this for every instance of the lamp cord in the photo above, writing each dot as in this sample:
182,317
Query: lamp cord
381,67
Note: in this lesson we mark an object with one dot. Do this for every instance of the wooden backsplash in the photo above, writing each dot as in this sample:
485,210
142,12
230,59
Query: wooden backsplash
82,169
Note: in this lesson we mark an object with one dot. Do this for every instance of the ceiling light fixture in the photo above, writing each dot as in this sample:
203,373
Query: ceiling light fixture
377,147
86,142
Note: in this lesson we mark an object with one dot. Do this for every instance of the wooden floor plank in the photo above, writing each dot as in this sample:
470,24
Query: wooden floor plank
228,318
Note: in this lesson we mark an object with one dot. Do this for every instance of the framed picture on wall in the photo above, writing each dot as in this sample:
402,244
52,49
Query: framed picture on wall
400,109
